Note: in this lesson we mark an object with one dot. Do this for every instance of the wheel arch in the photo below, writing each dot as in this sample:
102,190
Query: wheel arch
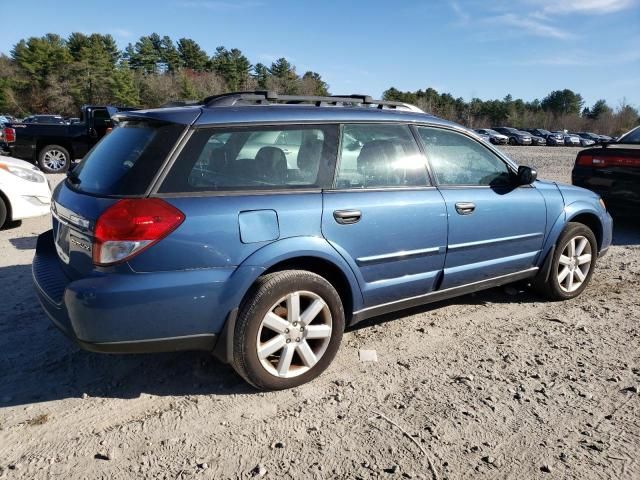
592,221
313,254
42,143
7,205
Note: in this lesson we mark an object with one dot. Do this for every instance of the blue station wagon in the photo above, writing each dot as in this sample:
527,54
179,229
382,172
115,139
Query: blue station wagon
259,226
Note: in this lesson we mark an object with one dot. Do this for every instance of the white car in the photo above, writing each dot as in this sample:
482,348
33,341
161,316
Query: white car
24,191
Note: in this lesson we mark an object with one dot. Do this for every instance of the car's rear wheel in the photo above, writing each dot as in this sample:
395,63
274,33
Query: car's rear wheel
512,141
573,263
54,159
288,330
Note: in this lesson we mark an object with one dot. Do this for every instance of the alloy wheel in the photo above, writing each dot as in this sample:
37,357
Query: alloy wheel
54,159
294,334
574,264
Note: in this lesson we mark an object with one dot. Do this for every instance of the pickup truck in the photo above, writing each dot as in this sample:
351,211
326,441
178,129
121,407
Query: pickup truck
54,146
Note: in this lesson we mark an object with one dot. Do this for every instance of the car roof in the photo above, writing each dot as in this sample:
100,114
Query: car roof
249,114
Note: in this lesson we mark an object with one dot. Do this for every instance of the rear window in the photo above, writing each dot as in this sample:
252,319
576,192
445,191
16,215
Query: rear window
255,158
125,161
631,137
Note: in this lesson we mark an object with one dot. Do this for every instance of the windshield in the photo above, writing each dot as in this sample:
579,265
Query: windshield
125,161
631,137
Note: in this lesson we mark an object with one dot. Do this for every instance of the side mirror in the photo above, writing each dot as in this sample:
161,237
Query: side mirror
526,175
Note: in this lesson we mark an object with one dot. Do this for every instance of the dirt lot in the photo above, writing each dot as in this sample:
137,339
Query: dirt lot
494,385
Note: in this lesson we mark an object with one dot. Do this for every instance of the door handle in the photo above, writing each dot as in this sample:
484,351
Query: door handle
347,217
465,208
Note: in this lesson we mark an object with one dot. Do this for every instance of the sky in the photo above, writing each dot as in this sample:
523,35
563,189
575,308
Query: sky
469,48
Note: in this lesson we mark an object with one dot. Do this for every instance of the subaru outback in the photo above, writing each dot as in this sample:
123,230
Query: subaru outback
258,227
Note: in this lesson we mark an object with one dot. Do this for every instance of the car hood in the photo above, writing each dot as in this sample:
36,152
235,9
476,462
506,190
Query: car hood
17,163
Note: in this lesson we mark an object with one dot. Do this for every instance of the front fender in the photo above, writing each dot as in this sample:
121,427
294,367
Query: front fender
570,212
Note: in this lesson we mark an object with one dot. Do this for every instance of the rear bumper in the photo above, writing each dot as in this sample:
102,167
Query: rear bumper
620,192
133,313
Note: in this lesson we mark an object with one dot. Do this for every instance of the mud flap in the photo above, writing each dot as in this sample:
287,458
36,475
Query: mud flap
223,350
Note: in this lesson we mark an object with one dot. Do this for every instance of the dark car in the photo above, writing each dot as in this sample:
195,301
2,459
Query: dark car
613,171
191,228
516,137
553,139
53,145
590,136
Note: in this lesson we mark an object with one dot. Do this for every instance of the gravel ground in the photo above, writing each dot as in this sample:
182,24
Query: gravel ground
498,384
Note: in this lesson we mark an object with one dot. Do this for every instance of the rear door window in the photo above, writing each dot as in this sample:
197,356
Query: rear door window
126,160
255,158
379,156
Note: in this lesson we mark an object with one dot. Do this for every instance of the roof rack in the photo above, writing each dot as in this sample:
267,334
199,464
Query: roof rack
264,97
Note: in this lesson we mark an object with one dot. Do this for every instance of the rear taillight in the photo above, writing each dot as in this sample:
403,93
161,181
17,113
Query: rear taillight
129,226
9,135
608,161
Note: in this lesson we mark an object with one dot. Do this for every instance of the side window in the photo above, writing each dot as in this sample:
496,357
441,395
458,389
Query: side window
258,158
459,160
375,156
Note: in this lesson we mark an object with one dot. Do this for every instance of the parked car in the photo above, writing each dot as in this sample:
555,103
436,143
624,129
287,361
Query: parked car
516,137
4,148
569,140
55,146
585,142
535,139
45,119
553,139
24,191
612,171
494,137
590,136
177,233
483,136
606,138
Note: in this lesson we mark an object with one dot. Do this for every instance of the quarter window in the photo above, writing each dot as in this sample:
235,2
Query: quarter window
459,160
375,156
259,158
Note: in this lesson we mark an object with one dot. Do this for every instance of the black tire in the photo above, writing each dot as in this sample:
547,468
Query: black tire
551,288
262,297
513,141
3,213
53,155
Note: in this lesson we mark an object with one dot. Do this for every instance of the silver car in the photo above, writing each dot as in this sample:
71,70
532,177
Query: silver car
494,137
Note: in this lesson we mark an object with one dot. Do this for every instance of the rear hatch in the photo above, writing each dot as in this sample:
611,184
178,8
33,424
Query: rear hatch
122,165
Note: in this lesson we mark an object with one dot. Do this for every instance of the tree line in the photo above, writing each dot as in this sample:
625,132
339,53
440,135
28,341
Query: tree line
560,109
51,74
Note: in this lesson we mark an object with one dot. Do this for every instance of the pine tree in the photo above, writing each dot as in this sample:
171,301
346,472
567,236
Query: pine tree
192,56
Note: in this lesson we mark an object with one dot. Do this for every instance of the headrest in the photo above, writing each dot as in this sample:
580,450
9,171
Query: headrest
309,156
375,154
218,159
272,163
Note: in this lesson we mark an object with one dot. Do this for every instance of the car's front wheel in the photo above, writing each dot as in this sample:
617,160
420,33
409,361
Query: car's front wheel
573,263
288,330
